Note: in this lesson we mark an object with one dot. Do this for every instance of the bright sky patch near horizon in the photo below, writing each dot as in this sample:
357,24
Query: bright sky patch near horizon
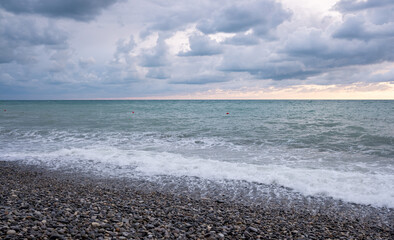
266,49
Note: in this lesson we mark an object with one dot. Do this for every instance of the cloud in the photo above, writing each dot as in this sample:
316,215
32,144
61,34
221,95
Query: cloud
243,39
124,46
158,73
86,62
156,56
355,41
307,52
265,66
80,10
375,11
317,49
173,20
176,15
60,61
151,47
201,80
123,49
120,76
261,16
355,5
355,27
201,45
20,38
381,16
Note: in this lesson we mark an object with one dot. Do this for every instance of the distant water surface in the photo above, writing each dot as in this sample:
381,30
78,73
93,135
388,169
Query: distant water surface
339,149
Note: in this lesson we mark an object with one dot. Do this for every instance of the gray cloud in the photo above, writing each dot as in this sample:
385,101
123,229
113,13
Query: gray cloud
263,66
374,11
86,62
158,73
319,50
175,15
308,52
41,52
243,39
174,20
201,79
261,16
155,57
19,38
381,16
7,55
124,46
201,45
359,40
123,49
355,5
355,27
80,10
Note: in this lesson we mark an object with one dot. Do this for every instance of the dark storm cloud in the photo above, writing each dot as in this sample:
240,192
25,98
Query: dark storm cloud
80,10
260,16
201,45
356,5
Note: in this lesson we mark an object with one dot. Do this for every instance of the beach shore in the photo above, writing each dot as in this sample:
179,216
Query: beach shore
41,204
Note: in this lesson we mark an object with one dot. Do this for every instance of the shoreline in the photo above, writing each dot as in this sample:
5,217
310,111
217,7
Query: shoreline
39,203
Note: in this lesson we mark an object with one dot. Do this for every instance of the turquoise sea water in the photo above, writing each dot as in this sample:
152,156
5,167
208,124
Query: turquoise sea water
340,149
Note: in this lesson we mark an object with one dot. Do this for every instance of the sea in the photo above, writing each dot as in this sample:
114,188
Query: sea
341,150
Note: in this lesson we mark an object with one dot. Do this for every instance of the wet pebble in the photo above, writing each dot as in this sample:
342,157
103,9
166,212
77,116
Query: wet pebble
35,204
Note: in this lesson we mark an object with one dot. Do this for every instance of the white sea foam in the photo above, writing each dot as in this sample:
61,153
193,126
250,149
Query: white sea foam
365,187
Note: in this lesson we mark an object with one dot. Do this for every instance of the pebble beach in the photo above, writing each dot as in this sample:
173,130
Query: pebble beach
41,204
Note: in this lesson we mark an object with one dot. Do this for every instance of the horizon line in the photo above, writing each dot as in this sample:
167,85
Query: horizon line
206,99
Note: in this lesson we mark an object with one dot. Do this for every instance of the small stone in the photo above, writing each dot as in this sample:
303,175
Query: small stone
150,226
95,224
11,232
56,237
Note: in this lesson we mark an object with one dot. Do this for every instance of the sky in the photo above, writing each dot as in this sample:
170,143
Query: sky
201,49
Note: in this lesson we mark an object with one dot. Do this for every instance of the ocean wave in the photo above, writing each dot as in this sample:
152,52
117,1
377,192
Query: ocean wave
365,187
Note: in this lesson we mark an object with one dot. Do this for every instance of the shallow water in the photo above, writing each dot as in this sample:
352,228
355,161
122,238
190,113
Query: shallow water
338,149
